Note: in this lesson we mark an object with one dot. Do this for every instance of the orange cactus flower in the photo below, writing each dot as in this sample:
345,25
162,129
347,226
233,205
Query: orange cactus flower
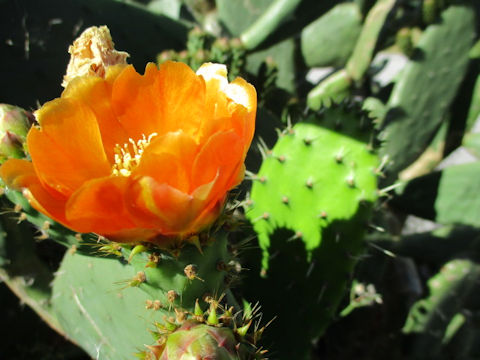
138,157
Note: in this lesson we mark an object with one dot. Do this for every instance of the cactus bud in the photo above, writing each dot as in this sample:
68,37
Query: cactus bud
14,125
199,341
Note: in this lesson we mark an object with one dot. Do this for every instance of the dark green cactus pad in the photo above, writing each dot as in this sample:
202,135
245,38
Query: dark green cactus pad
449,196
47,228
427,86
333,89
97,309
429,321
313,176
192,274
329,40
363,53
108,306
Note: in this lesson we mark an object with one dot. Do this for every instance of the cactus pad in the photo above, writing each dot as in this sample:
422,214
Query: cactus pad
313,177
427,86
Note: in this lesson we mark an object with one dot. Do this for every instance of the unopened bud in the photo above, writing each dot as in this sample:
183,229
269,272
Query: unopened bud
14,125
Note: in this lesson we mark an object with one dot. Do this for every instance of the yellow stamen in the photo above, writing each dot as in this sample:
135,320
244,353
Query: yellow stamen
127,157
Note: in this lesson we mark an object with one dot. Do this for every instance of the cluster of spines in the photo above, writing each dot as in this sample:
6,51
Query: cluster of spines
246,329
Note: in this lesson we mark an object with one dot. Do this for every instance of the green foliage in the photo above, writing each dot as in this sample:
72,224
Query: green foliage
334,173
333,89
192,274
319,182
432,320
407,288
363,53
447,196
421,97
329,40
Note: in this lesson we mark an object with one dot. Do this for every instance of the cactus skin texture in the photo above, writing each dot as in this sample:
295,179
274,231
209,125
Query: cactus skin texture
191,274
421,96
430,319
107,305
320,184
329,40
312,177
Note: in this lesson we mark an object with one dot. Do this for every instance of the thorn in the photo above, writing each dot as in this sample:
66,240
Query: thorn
263,148
378,228
17,208
350,181
46,225
309,183
281,158
285,200
323,215
387,189
385,251
198,310
22,217
264,216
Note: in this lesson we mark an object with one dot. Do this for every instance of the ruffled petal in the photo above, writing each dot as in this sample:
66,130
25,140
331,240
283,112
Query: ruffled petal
169,159
20,175
161,206
99,206
95,92
67,150
163,100
222,154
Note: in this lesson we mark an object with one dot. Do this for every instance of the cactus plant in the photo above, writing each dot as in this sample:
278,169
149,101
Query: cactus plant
357,236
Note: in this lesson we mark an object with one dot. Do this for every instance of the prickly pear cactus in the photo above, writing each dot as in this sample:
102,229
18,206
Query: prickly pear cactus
422,95
319,182
313,177
429,319
95,297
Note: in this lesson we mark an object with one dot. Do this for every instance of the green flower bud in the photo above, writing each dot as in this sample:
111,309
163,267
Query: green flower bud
14,125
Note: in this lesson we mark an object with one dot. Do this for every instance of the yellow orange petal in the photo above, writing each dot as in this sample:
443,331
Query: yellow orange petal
222,153
99,205
95,93
176,152
67,150
20,175
164,207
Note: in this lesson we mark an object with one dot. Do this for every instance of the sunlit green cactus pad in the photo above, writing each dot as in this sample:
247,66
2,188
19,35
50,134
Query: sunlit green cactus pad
314,176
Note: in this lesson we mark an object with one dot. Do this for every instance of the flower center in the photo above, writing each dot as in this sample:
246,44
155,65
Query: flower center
128,155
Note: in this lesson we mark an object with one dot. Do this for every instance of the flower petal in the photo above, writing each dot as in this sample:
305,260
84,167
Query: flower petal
175,151
67,150
161,101
222,153
161,206
20,175
95,93
99,205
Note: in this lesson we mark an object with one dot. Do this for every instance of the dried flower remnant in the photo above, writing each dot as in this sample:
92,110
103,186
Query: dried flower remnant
92,53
